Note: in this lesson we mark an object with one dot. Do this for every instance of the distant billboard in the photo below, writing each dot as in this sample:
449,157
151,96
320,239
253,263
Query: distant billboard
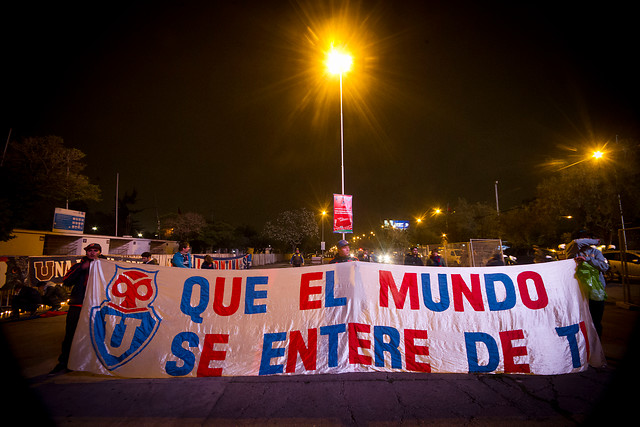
396,224
68,221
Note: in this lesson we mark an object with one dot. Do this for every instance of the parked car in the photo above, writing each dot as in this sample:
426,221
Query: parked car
615,265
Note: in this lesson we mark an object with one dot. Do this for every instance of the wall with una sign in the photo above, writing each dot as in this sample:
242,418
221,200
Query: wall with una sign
153,322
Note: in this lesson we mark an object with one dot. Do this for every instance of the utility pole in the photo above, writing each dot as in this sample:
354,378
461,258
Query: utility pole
497,206
117,183
5,148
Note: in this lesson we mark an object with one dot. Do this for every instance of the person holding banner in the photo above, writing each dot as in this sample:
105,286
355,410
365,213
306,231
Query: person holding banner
582,250
182,258
76,278
343,254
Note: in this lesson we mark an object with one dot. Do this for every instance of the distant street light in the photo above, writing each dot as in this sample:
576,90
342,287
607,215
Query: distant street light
339,62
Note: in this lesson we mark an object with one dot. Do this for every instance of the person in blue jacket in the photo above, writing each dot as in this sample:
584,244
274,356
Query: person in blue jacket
182,258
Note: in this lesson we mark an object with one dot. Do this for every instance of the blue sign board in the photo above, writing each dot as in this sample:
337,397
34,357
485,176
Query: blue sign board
68,220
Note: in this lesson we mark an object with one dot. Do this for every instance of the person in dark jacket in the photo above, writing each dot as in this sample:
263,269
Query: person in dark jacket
297,260
496,259
343,254
435,259
207,264
148,259
76,278
413,258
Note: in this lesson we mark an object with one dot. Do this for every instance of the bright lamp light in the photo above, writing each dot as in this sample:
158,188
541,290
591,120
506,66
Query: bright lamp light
338,62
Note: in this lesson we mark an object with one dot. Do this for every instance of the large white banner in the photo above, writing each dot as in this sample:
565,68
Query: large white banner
153,321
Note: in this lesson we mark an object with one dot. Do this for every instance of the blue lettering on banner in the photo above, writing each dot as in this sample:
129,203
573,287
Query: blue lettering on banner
471,339
442,288
187,357
187,292
330,299
392,346
333,332
268,353
252,294
510,298
570,332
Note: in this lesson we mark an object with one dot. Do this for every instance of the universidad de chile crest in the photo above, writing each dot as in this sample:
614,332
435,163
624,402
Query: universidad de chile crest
126,322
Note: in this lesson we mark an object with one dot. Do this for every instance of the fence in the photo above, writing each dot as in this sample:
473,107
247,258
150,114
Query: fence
475,253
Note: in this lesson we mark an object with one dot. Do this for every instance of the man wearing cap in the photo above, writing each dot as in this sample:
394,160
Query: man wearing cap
76,278
343,254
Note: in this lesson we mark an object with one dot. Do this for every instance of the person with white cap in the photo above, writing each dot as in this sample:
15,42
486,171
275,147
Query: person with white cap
343,254
76,278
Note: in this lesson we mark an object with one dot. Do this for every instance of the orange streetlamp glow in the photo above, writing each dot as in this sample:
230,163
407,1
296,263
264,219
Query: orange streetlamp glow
338,62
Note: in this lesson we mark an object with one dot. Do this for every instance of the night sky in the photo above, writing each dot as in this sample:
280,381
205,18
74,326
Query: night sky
222,108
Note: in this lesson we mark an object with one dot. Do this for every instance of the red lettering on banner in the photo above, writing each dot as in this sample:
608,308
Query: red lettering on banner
355,343
209,354
412,350
218,297
510,352
306,290
543,298
409,283
473,295
308,353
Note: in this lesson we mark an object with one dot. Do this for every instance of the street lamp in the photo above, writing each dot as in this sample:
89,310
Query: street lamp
597,155
339,62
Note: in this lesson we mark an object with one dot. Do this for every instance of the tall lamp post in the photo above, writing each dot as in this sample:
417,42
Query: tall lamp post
339,62
622,235
597,155
322,245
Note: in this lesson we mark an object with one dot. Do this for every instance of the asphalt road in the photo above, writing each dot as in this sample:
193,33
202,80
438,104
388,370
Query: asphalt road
30,348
